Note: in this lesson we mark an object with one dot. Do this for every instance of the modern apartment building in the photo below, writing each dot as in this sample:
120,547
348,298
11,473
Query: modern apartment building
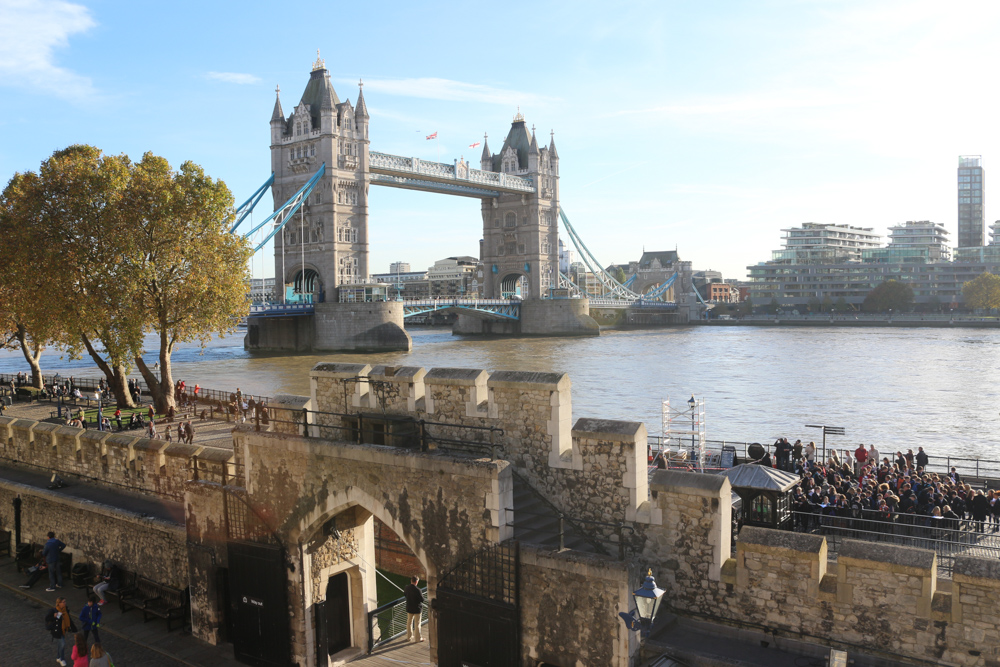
817,242
971,203
797,279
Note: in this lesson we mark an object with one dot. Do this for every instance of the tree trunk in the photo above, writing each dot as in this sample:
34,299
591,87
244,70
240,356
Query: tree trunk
162,389
32,352
115,376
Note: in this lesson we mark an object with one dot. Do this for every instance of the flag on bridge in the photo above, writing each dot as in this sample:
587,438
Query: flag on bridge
432,136
475,144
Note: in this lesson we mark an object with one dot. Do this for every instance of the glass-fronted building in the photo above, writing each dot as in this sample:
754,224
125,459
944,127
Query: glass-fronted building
971,218
917,254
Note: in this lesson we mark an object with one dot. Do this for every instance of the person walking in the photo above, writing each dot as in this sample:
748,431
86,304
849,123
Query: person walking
414,605
99,657
51,551
58,622
81,654
90,618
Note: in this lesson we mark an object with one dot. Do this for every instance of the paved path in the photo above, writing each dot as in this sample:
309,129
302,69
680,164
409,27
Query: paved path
396,653
23,640
210,432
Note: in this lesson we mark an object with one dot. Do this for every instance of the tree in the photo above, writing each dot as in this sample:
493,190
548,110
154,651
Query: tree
890,295
746,308
827,304
28,293
814,304
982,292
842,306
80,192
620,274
190,273
774,307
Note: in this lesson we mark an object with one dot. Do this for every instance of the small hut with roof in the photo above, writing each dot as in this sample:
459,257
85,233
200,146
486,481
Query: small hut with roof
765,492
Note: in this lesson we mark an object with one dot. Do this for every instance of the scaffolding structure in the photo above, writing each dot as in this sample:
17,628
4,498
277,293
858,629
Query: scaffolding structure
683,431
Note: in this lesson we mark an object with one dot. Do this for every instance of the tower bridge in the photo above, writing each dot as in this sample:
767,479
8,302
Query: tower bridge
322,169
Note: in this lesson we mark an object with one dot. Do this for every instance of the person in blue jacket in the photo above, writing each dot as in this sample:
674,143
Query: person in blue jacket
51,553
90,619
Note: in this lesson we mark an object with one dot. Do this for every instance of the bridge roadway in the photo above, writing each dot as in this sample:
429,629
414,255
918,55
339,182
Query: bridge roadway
496,309
457,179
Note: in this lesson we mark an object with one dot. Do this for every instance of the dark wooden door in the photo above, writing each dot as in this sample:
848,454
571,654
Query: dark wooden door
258,595
338,613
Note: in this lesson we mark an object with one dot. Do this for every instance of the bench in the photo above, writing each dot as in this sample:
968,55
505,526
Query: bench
155,599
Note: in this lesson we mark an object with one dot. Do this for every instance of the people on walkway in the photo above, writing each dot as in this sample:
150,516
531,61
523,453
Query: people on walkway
99,657
51,551
90,618
414,605
59,623
81,654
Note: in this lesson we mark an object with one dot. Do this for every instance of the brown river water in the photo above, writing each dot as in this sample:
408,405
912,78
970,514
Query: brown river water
898,388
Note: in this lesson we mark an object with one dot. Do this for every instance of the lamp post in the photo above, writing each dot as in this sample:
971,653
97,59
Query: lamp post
647,603
691,404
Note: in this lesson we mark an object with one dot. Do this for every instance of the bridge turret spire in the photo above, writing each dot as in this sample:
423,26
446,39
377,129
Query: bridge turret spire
278,113
533,148
486,161
553,155
361,110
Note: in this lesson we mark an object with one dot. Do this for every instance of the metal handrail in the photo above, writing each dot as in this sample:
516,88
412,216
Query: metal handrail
392,607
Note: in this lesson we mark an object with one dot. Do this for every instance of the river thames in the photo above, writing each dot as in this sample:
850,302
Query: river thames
898,388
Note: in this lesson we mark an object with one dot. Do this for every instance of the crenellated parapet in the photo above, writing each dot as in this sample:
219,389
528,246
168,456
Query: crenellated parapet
121,460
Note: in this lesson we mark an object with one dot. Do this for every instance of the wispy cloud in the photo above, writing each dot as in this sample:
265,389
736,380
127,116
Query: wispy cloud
452,91
233,77
30,32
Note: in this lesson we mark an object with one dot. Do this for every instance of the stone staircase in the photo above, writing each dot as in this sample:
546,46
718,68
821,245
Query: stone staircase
536,521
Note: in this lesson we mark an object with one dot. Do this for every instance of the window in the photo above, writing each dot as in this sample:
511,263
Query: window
496,222
520,248
312,150
760,509
510,248
510,219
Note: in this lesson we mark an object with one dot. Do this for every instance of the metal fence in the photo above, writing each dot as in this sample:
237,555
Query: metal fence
965,538
964,466
205,395
388,621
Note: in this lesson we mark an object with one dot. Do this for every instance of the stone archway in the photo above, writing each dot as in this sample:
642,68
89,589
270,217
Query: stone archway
336,541
308,488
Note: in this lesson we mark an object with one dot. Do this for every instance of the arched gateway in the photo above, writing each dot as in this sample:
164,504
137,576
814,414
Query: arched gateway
292,536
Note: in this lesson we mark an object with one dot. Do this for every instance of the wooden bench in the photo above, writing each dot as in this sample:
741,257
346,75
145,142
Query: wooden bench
126,582
155,599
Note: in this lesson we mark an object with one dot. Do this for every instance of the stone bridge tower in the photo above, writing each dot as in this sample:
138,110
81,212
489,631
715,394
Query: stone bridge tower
326,244
521,231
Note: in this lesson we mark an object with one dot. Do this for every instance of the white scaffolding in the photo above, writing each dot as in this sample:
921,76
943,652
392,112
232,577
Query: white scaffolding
683,431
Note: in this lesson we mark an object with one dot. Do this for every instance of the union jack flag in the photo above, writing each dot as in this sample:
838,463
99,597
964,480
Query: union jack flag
432,136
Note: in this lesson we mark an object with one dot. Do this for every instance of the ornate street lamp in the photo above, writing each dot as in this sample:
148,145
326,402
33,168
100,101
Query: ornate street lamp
647,603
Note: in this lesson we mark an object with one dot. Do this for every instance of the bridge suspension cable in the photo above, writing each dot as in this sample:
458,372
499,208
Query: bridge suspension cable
246,208
613,288
287,210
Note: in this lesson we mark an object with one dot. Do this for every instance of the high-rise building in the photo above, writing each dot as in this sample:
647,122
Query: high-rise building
971,218
814,243
399,267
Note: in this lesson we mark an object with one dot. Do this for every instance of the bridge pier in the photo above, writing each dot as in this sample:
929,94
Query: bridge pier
538,317
375,326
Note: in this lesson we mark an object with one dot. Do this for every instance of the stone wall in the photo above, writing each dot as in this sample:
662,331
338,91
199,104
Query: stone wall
881,599
569,609
594,470
93,533
119,460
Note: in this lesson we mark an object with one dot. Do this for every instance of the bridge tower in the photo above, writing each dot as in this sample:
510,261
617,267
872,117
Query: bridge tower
326,244
520,251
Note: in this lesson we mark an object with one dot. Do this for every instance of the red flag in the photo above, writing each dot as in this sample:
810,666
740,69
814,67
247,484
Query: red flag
475,144
432,136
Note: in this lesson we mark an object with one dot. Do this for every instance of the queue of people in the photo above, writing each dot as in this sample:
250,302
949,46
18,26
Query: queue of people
883,490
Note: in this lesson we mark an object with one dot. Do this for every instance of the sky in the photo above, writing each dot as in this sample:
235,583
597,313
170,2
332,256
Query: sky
706,127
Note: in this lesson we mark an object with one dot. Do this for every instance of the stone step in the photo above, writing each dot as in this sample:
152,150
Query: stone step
537,522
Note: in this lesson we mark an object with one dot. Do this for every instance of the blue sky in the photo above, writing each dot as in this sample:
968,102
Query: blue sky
705,126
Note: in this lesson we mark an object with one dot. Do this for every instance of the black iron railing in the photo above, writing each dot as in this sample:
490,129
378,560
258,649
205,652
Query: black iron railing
388,621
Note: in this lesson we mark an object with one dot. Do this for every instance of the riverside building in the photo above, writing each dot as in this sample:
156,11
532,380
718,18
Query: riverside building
817,266
971,218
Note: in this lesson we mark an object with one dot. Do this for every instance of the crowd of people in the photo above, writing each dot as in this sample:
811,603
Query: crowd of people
881,489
